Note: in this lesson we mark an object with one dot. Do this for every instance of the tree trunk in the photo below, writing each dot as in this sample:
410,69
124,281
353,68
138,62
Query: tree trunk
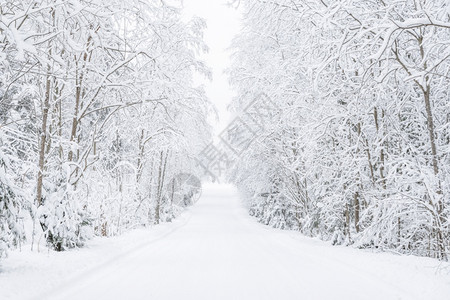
357,210
43,140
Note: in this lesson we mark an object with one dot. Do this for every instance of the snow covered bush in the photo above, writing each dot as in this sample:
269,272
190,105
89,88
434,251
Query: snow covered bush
11,208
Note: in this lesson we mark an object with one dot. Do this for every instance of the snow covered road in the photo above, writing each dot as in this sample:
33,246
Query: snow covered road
221,253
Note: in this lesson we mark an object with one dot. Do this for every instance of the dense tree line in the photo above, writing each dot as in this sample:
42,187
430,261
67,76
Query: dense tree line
360,152
98,111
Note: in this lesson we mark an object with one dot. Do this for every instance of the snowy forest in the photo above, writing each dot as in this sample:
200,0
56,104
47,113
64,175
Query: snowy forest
98,112
225,149
102,116
360,151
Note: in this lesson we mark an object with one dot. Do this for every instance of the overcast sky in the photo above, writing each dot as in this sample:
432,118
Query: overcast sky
223,25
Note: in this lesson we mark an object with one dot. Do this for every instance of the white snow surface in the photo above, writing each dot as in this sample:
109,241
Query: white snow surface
216,251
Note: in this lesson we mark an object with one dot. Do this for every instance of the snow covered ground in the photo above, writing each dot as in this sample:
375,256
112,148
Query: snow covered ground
216,251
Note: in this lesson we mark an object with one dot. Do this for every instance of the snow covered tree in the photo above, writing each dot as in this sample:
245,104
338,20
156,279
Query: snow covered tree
363,90
102,90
